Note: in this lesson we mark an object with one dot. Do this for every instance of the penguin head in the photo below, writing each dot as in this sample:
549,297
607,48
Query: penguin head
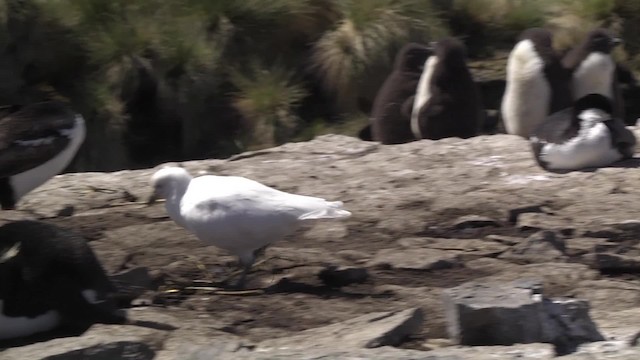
451,52
601,40
541,38
592,107
411,58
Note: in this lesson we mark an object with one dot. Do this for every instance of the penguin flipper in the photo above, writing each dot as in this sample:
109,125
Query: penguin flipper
407,107
623,139
556,128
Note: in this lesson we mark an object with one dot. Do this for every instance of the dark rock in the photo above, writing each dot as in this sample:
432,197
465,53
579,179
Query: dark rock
543,246
516,312
109,351
614,263
416,259
132,283
66,211
335,276
474,221
515,213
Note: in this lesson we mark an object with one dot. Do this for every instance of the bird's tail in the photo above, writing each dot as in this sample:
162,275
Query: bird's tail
332,210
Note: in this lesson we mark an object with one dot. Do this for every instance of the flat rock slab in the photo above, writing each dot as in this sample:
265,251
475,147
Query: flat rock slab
416,259
367,331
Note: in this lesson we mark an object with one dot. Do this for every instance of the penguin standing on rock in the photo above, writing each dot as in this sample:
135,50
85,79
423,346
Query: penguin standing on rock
391,113
50,277
594,69
537,84
37,142
586,136
447,102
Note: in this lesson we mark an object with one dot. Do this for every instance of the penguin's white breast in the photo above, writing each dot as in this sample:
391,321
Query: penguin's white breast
526,99
423,93
594,76
14,327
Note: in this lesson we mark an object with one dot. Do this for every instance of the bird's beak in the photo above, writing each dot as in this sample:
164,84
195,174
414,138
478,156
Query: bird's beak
617,41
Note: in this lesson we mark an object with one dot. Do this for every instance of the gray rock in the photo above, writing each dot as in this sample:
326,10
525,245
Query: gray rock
367,331
415,259
516,312
542,246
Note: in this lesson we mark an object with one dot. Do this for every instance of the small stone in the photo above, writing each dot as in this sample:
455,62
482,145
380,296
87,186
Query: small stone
66,211
515,213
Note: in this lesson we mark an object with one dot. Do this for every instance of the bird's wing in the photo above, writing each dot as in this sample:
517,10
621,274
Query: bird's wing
623,139
556,127
32,134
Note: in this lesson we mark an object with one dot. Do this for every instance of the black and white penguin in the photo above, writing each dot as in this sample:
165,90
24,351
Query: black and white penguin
584,136
447,101
391,112
50,277
594,71
537,84
37,142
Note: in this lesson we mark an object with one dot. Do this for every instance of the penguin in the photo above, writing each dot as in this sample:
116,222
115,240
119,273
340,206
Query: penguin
447,101
391,112
594,70
585,136
50,278
537,84
37,142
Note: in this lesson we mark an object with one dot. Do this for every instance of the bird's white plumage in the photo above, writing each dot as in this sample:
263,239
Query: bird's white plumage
591,147
423,94
26,181
594,76
235,213
527,95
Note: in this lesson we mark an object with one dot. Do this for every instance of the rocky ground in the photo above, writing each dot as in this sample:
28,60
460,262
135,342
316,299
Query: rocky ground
427,216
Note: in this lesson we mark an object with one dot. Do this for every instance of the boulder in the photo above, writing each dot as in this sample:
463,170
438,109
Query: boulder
517,312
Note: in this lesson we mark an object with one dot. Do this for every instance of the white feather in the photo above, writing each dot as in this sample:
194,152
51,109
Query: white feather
423,94
594,76
525,103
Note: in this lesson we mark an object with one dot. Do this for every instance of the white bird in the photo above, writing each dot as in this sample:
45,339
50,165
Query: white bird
234,213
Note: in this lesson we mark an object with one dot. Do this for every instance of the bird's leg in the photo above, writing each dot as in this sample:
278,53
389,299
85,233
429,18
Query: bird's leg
246,261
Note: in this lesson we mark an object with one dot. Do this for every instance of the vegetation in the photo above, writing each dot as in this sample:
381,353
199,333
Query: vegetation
162,80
